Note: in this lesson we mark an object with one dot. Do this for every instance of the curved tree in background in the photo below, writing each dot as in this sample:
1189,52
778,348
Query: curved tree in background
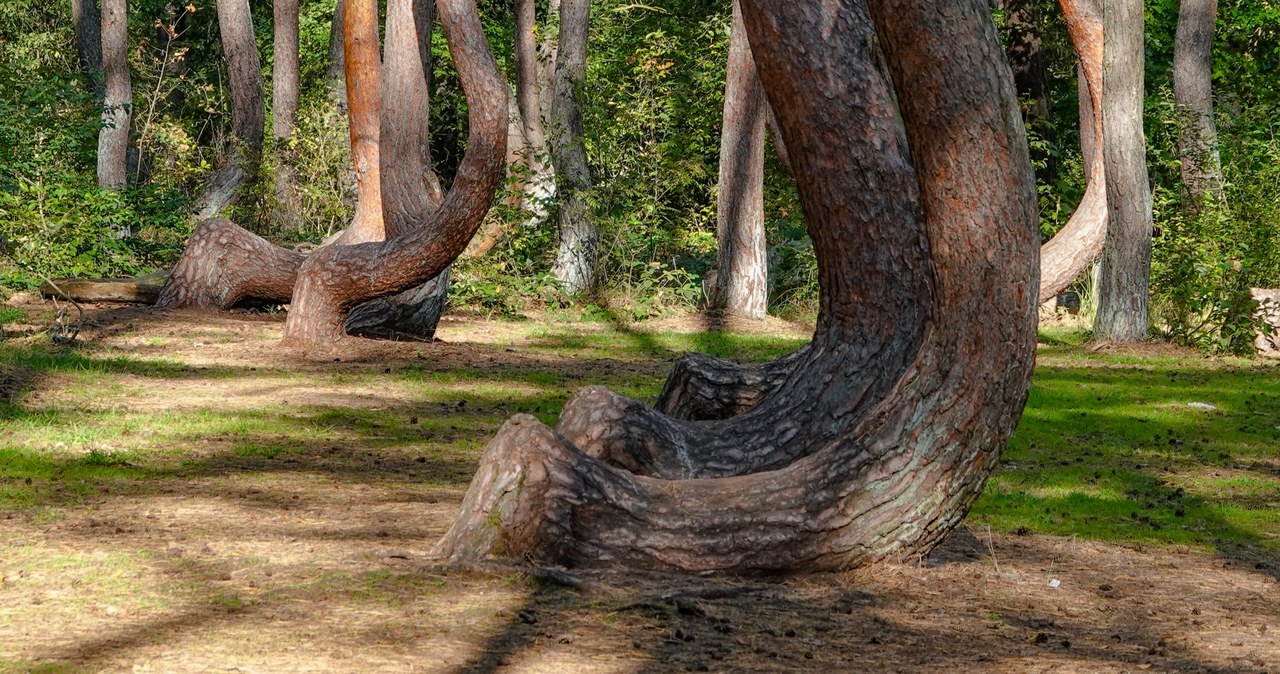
224,265
1079,243
890,421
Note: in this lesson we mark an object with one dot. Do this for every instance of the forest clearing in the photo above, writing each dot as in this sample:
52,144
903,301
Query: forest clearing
590,335
181,495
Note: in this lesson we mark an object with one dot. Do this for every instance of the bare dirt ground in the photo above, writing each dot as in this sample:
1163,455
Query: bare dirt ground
318,560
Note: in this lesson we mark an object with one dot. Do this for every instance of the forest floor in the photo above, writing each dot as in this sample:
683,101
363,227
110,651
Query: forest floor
179,494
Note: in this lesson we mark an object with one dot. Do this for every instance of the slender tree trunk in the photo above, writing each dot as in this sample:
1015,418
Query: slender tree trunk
540,187
88,26
410,189
337,278
1193,94
575,265
888,424
117,103
1079,243
284,113
1126,259
364,101
1030,68
742,287
335,74
248,115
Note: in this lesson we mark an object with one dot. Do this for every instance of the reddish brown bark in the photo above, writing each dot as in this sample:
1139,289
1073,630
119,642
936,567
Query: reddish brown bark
337,278
225,265
1077,245
883,434
742,287
364,103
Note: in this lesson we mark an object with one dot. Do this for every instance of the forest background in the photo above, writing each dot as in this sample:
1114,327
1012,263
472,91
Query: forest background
653,103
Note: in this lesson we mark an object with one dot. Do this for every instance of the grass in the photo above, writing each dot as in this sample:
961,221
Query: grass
1108,449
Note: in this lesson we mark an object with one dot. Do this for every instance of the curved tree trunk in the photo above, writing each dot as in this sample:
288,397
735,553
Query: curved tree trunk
410,189
575,265
742,279
117,102
87,21
337,278
890,422
1077,245
225,265
284,113
1193,94
248,116
1125,277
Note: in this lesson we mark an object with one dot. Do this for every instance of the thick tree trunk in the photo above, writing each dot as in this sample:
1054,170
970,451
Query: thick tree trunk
1193,94
410,189
284,112
337,278
117,102
539,188
364,104
335,74
1077,245
575,265
885,431
1126,259
224,265
87,21
706,388
742,281
248,115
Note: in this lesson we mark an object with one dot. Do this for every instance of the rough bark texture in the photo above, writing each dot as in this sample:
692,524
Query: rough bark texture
248,113
1193,94
364,104
337,278
1077,245
706,388
284,111
1267,340
889,423
575,265
225,265
117,102
540,188
87,21
742,279
1126,258
410,189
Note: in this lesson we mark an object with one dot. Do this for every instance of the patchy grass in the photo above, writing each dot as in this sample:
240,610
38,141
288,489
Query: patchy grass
181,495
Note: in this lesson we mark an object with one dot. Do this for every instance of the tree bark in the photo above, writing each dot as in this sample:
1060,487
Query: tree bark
575,265
87,21
1126,258
887,427
284,112
248,115
410,189
224,265
1077,245
742,281
539,188
1030,68
1193,94
117,102
364,109
337,278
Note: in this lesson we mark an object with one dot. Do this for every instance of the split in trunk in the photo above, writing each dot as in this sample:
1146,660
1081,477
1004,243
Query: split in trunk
888,424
